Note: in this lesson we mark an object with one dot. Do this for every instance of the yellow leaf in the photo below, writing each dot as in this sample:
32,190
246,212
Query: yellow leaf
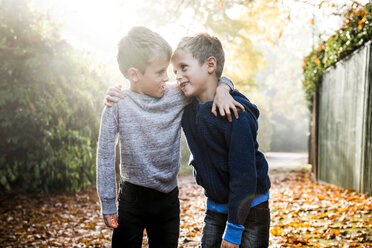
330,38
361,23
361,12
221,4
276,231
320,47
317,62
320,216
191,235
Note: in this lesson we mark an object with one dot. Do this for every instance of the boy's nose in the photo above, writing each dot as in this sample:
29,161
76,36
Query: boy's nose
178,76
166,78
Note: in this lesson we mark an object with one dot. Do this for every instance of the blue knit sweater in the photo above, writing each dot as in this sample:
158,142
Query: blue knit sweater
227,162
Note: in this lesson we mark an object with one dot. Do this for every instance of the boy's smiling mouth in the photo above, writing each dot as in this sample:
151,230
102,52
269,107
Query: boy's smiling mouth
183,84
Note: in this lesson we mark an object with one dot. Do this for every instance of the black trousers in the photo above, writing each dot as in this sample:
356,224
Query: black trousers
144,208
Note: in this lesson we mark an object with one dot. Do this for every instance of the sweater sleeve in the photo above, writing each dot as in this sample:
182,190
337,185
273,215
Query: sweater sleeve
227,81
242,174
106,178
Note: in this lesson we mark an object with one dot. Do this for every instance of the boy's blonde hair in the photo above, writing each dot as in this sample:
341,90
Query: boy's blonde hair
202,46
139,48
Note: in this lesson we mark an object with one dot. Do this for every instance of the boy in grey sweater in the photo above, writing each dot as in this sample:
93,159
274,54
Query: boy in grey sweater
148,122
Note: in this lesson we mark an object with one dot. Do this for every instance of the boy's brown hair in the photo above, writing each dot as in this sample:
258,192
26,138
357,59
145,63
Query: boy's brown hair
202,46
140,47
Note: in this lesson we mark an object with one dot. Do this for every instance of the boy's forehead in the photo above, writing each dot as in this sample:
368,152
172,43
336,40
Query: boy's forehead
180,55
159,61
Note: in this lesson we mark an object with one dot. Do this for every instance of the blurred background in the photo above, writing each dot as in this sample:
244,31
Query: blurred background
59,57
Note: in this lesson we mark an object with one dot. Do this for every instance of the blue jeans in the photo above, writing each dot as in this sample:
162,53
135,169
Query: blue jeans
255,234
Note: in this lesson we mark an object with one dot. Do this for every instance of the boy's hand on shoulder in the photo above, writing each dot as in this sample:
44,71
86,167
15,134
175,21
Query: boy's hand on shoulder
113,92
111,220
224,102
227,244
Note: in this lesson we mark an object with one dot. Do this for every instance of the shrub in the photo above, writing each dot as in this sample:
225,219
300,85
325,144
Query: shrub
356,31
48,111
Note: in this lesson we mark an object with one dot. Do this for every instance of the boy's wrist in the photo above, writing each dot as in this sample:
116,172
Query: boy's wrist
233,233
223,87
109,206
225,81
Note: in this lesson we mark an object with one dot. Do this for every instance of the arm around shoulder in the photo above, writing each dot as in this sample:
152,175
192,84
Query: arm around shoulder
224,101
226,81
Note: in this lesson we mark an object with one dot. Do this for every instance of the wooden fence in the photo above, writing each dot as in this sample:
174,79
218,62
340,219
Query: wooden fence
341,133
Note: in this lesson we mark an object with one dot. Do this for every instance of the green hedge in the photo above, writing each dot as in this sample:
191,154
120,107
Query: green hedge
357,30
49,114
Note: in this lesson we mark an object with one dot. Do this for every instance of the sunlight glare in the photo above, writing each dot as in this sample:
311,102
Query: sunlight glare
93,25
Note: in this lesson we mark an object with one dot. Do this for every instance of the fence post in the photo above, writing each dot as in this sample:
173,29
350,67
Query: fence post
366,166
313,153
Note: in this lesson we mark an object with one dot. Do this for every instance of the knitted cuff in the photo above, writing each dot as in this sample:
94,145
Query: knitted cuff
109,206
227,81
233,233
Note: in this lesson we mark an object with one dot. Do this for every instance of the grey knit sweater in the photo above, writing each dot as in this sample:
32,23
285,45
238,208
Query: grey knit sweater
149,131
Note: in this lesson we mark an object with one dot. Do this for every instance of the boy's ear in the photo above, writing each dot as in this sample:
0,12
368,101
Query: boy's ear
132,74
211,64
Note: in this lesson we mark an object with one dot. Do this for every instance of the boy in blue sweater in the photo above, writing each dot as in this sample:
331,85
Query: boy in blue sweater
227,162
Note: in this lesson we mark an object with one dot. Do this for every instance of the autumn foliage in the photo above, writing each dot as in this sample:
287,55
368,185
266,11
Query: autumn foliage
356,30
303,214
310,214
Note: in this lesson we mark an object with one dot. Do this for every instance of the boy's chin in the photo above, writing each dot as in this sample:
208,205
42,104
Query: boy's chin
157,95
187,93
160,95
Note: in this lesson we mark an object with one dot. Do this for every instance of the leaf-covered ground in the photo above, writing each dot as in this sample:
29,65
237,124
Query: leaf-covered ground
303,213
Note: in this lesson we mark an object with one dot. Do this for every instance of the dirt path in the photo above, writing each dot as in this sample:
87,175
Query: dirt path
285,161
303,213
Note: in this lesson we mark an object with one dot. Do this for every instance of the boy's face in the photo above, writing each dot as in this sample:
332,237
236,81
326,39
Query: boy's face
190,75
152,81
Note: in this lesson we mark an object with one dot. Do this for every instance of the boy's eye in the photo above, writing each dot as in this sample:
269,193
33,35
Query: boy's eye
183,67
